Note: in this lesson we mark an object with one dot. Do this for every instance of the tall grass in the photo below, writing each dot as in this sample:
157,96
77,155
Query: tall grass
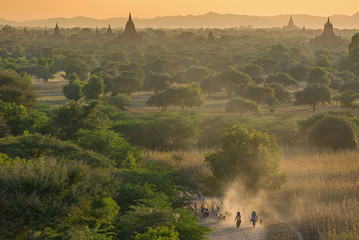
322,193
321,197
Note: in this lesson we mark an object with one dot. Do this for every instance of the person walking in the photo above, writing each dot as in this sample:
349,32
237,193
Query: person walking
238,219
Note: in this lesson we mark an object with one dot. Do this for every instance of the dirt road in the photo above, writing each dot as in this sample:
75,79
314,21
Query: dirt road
228,231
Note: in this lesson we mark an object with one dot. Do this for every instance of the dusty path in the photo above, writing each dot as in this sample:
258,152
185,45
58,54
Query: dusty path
228,231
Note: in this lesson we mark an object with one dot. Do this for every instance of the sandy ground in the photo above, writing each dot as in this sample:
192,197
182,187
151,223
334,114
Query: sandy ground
227,230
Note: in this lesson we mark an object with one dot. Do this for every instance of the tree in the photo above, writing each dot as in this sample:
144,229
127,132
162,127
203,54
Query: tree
353,58
158,81
269,65
211,85
255,71
234,81
350,85
183,96
110,144
161,130
75,64
282,78
192,96
250,157
347,98
333,132
196,74
158,233
272,103
72,90
127,82
313,95
94,88
122,101
279,92
16,89
258,94
318,75
69,118
241,106
299,72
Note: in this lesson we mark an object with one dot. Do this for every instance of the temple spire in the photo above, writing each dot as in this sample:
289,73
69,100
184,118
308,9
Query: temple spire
328,20
130,17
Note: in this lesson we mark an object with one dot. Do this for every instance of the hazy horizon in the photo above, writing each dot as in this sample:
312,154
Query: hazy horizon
43,9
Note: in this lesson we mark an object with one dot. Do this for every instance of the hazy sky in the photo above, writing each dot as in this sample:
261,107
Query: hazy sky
35,9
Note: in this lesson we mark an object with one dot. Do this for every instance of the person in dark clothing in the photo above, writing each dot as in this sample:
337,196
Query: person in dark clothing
238,219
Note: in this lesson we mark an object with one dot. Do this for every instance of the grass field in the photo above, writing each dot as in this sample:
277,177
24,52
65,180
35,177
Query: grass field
51,93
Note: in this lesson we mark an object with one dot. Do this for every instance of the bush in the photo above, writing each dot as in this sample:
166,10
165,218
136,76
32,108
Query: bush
110,144
333,132
240,105
160,131
122,101
55,200
34,146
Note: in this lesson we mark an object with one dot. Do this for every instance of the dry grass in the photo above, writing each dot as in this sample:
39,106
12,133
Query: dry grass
277,230
322,193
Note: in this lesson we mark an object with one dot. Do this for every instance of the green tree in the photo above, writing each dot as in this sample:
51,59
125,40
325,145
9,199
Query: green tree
299,72
240,105
196,74
318,75
94,88
347,98
251,157
211,85
282,78
158,81
258,94
333,132
234,81
121,101
158,233
72,90
16,89
279,92
110,144
127,82
255,71
76,64
313,95
350,85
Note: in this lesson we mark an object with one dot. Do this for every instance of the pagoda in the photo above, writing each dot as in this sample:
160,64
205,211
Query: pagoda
57,34
109,30
210,38
130,35
291,25
328,38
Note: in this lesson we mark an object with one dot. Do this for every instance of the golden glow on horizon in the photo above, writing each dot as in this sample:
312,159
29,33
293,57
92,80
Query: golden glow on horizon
102,9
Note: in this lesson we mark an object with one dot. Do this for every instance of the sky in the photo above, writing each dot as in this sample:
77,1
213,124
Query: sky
20,10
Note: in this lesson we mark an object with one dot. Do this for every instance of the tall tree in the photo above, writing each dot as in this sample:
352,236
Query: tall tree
313,95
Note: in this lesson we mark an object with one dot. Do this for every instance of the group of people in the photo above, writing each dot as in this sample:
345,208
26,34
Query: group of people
205,206
253,218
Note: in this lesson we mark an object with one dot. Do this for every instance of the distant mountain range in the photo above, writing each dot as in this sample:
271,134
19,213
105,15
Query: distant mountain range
209,20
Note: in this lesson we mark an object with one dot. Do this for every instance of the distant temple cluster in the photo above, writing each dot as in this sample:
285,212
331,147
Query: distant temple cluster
130,36
327,38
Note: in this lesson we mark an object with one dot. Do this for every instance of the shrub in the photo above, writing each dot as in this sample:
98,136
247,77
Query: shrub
251,157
